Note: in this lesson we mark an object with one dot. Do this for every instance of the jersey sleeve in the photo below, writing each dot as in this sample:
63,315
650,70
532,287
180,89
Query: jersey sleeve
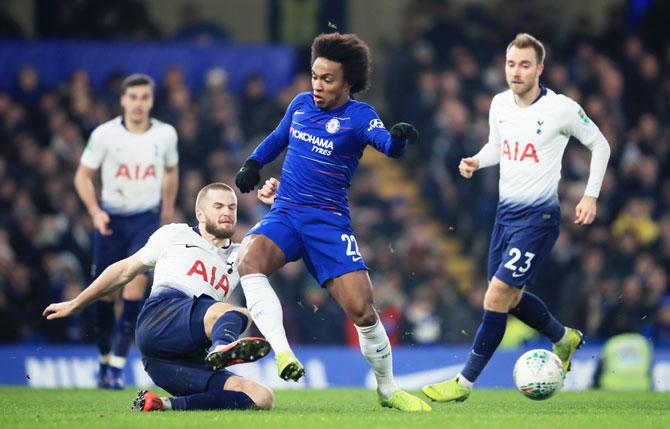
153,250
94,152
582,128
371,131
276,142
490,154
171,154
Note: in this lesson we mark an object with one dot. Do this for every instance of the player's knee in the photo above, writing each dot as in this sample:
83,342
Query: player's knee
495,303
500,297
246,266
516,300
246,313
214,312
262,397
363,316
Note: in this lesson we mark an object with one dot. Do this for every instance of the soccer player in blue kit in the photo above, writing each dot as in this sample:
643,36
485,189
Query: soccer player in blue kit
187,330
530,126
325,132
137,158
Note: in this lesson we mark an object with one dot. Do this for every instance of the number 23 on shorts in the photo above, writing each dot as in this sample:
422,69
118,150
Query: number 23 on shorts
352,247
512,264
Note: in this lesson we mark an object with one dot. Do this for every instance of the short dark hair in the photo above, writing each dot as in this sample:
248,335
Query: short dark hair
348,50
525,40
137,79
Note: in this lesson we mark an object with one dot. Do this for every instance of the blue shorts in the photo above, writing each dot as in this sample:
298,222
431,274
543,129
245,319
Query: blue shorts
171,336
324,239
129,234
516,252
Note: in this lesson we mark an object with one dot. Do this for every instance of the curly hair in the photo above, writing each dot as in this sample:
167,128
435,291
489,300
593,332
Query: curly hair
348,50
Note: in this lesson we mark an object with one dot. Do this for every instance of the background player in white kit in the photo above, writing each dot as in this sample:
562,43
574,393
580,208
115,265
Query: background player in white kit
187,332
529,129
137,156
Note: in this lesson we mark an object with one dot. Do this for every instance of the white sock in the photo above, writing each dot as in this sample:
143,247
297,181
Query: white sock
564,338
104,359
167,403
117,361
464,381
265,308
376,348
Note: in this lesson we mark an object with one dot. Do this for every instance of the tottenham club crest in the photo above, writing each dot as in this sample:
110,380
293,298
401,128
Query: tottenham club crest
333,126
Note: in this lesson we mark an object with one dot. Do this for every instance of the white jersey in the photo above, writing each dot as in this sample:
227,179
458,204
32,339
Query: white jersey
132,165
184,260
529,144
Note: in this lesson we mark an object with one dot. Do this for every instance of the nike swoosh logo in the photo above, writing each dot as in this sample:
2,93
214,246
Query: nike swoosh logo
500,121
515,274
299,113
357,258
188,246
378,350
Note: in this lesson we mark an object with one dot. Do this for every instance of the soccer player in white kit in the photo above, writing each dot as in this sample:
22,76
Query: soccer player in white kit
530,126
187,332
137,158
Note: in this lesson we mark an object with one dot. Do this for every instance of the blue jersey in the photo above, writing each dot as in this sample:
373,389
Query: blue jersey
324,147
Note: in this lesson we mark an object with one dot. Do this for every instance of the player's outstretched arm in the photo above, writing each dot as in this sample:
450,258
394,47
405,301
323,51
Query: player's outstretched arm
268,192
115,276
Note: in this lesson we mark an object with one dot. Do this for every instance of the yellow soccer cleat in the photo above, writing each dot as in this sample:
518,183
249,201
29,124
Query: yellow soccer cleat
289,366
564,352
403,401
447,391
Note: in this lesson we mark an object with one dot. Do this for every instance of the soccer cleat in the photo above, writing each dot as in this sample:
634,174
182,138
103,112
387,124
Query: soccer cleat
109,377
114,383
147,401
241,351
403,401
289,366
447,391
564,352
114,379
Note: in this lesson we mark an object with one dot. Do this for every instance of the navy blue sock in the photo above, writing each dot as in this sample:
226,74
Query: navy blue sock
104,326
228,328
534,312
213,400
487,339
125,328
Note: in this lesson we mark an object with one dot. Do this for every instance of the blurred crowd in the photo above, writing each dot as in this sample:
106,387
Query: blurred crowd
607,278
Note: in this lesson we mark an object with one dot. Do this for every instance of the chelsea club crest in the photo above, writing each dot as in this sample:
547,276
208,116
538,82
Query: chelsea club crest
332,126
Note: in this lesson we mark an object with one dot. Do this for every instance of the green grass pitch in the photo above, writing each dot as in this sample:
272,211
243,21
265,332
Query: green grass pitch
22,407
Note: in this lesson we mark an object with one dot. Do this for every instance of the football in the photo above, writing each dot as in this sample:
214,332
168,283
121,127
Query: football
538,374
